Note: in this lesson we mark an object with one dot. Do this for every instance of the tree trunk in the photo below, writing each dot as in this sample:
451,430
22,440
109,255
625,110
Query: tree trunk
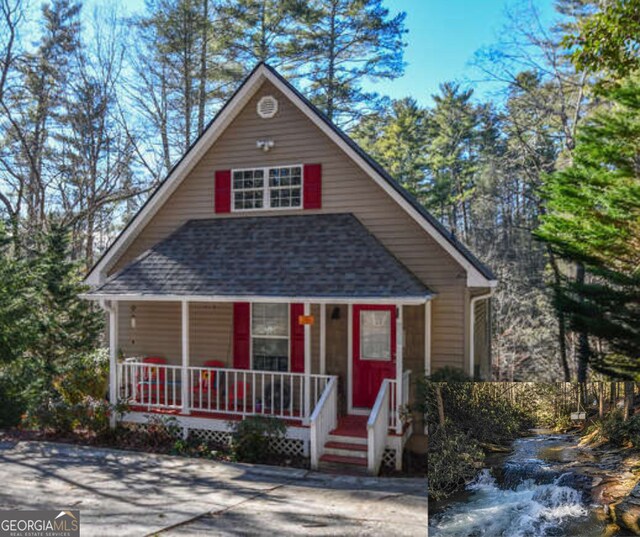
628,400
601,400
202,92
583,338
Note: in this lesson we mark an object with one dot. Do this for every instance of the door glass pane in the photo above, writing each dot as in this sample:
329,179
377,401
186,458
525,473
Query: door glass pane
375,335
270,320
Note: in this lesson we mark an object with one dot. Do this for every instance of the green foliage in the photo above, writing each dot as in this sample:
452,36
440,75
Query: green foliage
252,438
344,42
480,409
619,432
593,218
397,138
88,375
607,40
449,374
161,431
454,460
49,333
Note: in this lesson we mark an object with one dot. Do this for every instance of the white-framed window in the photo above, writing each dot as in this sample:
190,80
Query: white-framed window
375,335
270,337
277,187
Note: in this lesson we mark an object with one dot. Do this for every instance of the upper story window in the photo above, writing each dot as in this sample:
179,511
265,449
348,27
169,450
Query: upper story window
267,188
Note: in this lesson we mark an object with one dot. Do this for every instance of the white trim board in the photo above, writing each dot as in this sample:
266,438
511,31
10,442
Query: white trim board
407,301
261,74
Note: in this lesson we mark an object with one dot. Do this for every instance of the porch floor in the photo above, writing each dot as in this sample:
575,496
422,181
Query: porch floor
351,425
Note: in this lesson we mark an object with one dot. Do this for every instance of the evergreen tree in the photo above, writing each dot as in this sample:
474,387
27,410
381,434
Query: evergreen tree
397,138
263,31
593,219
455,125
344,42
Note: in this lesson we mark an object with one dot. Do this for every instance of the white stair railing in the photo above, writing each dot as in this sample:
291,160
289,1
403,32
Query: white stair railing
323,420
378,428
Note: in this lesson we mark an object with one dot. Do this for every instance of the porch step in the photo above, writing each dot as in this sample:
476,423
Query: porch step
345,439
343,461
346,445
345,449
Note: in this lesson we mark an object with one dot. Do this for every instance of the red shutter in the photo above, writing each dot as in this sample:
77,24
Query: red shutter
312,186
223,191
241,335
297,339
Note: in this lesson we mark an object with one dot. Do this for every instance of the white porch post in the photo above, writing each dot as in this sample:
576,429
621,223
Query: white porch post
113,358
427,338
307,366
399,347
350,358
323,339
185,357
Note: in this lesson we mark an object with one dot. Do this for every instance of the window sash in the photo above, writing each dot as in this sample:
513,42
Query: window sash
296,191
262,338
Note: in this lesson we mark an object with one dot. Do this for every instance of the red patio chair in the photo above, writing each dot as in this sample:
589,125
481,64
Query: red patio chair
151,380
205,385
236,395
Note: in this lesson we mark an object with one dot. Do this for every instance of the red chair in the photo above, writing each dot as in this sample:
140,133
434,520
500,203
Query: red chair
152,379
236,395
204,388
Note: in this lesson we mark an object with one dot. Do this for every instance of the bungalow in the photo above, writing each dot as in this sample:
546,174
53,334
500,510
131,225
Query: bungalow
278,270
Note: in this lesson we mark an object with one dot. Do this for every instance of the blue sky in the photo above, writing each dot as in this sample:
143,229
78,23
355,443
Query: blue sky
443,37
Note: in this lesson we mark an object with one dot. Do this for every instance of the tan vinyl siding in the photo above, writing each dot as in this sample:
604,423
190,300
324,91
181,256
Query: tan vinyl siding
346,188
158,332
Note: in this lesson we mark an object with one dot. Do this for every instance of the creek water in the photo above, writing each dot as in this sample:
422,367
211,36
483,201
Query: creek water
526,494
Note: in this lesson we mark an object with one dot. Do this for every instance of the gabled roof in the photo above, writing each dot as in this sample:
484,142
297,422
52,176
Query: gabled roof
319,256
478,274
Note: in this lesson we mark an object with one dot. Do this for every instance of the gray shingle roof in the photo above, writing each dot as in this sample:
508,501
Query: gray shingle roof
328,255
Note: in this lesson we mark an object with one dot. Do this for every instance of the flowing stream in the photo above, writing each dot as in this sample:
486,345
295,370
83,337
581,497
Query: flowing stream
529,494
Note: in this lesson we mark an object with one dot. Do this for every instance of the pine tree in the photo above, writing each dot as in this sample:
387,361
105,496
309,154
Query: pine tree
452,156
67,326
397,138
593,219
344,42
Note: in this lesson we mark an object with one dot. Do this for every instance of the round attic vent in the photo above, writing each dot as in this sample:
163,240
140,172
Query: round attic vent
267,107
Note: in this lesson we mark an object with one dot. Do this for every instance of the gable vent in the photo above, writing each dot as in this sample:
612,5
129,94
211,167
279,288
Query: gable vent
267,107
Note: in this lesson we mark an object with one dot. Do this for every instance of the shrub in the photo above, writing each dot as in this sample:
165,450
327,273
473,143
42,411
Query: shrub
87,376
162,431
449,374
252,438
454,459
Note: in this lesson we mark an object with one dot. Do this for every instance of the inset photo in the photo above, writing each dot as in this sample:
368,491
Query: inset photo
533,460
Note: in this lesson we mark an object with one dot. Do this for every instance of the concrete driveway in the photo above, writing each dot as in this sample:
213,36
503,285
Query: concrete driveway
124,493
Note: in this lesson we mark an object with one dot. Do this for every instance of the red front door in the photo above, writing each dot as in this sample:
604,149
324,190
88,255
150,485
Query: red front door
374,351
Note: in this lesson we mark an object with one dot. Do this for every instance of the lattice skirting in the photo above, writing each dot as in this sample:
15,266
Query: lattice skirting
214,437
389,458
294,447
286,446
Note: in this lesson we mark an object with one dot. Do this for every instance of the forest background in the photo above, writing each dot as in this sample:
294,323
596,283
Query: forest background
540,178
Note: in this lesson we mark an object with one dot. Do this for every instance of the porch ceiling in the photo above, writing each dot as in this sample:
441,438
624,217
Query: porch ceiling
328,256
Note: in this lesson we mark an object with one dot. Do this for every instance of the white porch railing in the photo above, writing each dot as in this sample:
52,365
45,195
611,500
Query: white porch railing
217,389
323,420
384,418
378,427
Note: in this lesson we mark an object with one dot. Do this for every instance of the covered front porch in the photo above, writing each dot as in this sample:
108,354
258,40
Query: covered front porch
163,361
325,341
